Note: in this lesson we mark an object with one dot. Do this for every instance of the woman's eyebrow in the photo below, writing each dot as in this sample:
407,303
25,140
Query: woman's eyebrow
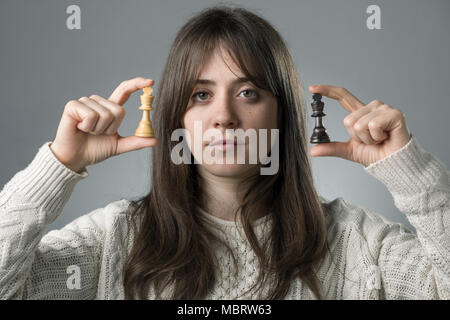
212,82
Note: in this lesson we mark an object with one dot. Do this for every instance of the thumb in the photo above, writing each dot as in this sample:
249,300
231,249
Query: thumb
132,143
330,149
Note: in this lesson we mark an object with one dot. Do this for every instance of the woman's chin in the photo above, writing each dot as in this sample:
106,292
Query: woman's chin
230,170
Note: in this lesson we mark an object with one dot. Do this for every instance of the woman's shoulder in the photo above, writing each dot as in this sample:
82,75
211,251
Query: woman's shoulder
116,209
340,210
344,216
106,219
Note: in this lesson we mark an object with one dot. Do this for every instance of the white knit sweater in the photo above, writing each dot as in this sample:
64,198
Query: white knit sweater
374,258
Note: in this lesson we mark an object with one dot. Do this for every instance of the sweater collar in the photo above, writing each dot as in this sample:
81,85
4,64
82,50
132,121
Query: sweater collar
227,223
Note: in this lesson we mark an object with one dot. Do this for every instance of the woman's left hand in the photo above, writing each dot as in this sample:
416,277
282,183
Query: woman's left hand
376,129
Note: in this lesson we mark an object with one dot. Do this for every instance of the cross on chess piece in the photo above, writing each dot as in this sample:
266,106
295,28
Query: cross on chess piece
145,125
320,133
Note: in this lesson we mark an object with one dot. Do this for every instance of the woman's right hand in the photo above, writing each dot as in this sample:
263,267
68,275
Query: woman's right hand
87,133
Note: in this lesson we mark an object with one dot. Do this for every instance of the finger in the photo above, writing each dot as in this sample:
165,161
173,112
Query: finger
375,128
389,119
117,111
81,116
121,94
352,118
361,127
331,149
105,116
345,98
132,143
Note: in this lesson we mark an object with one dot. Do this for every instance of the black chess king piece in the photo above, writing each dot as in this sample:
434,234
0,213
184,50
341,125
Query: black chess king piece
320,133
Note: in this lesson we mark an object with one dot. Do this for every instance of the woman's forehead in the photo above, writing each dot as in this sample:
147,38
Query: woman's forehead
218,61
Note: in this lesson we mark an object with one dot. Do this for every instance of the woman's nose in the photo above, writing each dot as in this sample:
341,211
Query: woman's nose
224,115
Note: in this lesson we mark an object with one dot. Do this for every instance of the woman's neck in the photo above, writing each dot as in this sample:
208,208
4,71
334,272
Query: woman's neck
220,195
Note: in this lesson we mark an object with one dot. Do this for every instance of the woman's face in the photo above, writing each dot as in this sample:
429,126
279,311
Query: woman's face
220,102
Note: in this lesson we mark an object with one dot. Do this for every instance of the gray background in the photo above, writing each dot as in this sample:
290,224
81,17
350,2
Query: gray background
43,65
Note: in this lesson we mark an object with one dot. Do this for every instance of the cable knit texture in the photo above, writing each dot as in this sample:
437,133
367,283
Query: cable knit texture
372,257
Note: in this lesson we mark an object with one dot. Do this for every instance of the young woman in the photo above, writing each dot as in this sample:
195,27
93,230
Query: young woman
226,231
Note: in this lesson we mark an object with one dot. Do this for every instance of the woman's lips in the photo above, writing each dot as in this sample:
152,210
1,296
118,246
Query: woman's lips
223,144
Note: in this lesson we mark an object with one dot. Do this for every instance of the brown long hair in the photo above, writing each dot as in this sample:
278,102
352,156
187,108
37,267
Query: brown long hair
173,243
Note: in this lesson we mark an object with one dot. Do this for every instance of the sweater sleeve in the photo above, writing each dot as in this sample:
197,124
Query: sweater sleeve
412,266
63,264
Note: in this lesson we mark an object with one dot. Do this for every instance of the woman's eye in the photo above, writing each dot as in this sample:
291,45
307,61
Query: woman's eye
247,91
201,95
